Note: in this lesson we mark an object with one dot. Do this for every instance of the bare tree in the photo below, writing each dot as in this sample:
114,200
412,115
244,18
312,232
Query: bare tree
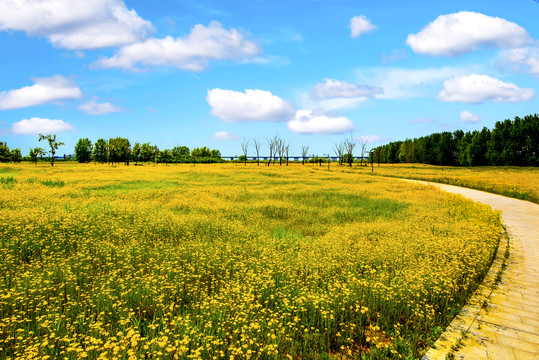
272,143
349,146
257,144
339,151
304,152
244,148
280,150
287,151
363,141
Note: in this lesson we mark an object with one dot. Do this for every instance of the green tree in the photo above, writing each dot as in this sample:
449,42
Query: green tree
101,150
5,154
35,152
530,126
54,145
476,153
119,150
165,156
135,153
406,151
16,155
83,150
201,152
146,152
180,153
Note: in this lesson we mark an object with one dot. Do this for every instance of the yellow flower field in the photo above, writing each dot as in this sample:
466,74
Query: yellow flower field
231,262
517,182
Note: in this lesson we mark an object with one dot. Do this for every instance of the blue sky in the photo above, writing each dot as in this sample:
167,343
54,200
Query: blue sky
211,73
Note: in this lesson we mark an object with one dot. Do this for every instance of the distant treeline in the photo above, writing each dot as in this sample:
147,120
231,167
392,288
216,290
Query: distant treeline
511,143
117,150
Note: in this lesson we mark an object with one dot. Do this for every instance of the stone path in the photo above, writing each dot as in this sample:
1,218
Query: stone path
500,323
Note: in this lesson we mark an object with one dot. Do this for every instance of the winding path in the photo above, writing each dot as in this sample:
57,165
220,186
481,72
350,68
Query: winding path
500,322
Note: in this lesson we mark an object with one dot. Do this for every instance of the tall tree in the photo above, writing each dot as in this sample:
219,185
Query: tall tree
245,148
476,152
135,153
83,150
287,151
257,145
5,153
101,150
339,151
363,141
54,145
35,152
272,144
16,155
304,152
349,146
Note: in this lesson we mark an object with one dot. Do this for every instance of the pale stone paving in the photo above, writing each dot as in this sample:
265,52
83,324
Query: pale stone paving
507,328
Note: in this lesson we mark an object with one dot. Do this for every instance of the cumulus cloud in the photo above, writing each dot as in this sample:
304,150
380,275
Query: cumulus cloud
409,83
36,126
74,24
44,90
462,32
95,108
320,122
249,106
360,25
224,136
467,117
474,89
331,89
192,52
525,60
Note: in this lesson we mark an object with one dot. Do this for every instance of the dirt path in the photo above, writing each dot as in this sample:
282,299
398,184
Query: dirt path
500,323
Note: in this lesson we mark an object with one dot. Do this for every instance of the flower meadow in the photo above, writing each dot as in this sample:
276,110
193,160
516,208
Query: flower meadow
516,182
231,262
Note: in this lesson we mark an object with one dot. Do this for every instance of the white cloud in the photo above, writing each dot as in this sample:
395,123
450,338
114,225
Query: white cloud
371,139
320,122
409,83
192,52
249,106
522,59
331,89
474,89
396,55
75,24
224,136
95,108
465,31
36,126
360,25
43,91
467,117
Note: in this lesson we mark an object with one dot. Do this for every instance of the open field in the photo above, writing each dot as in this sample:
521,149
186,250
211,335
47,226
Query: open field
231,261
518,182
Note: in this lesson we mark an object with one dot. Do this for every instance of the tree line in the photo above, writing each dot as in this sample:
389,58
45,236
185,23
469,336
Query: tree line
119,150
510,143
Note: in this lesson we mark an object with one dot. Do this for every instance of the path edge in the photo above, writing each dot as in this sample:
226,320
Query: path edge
456,332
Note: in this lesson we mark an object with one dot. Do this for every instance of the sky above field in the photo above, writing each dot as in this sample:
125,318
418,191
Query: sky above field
211,73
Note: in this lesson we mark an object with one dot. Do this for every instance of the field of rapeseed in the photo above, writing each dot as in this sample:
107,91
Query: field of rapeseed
517,182
231,262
